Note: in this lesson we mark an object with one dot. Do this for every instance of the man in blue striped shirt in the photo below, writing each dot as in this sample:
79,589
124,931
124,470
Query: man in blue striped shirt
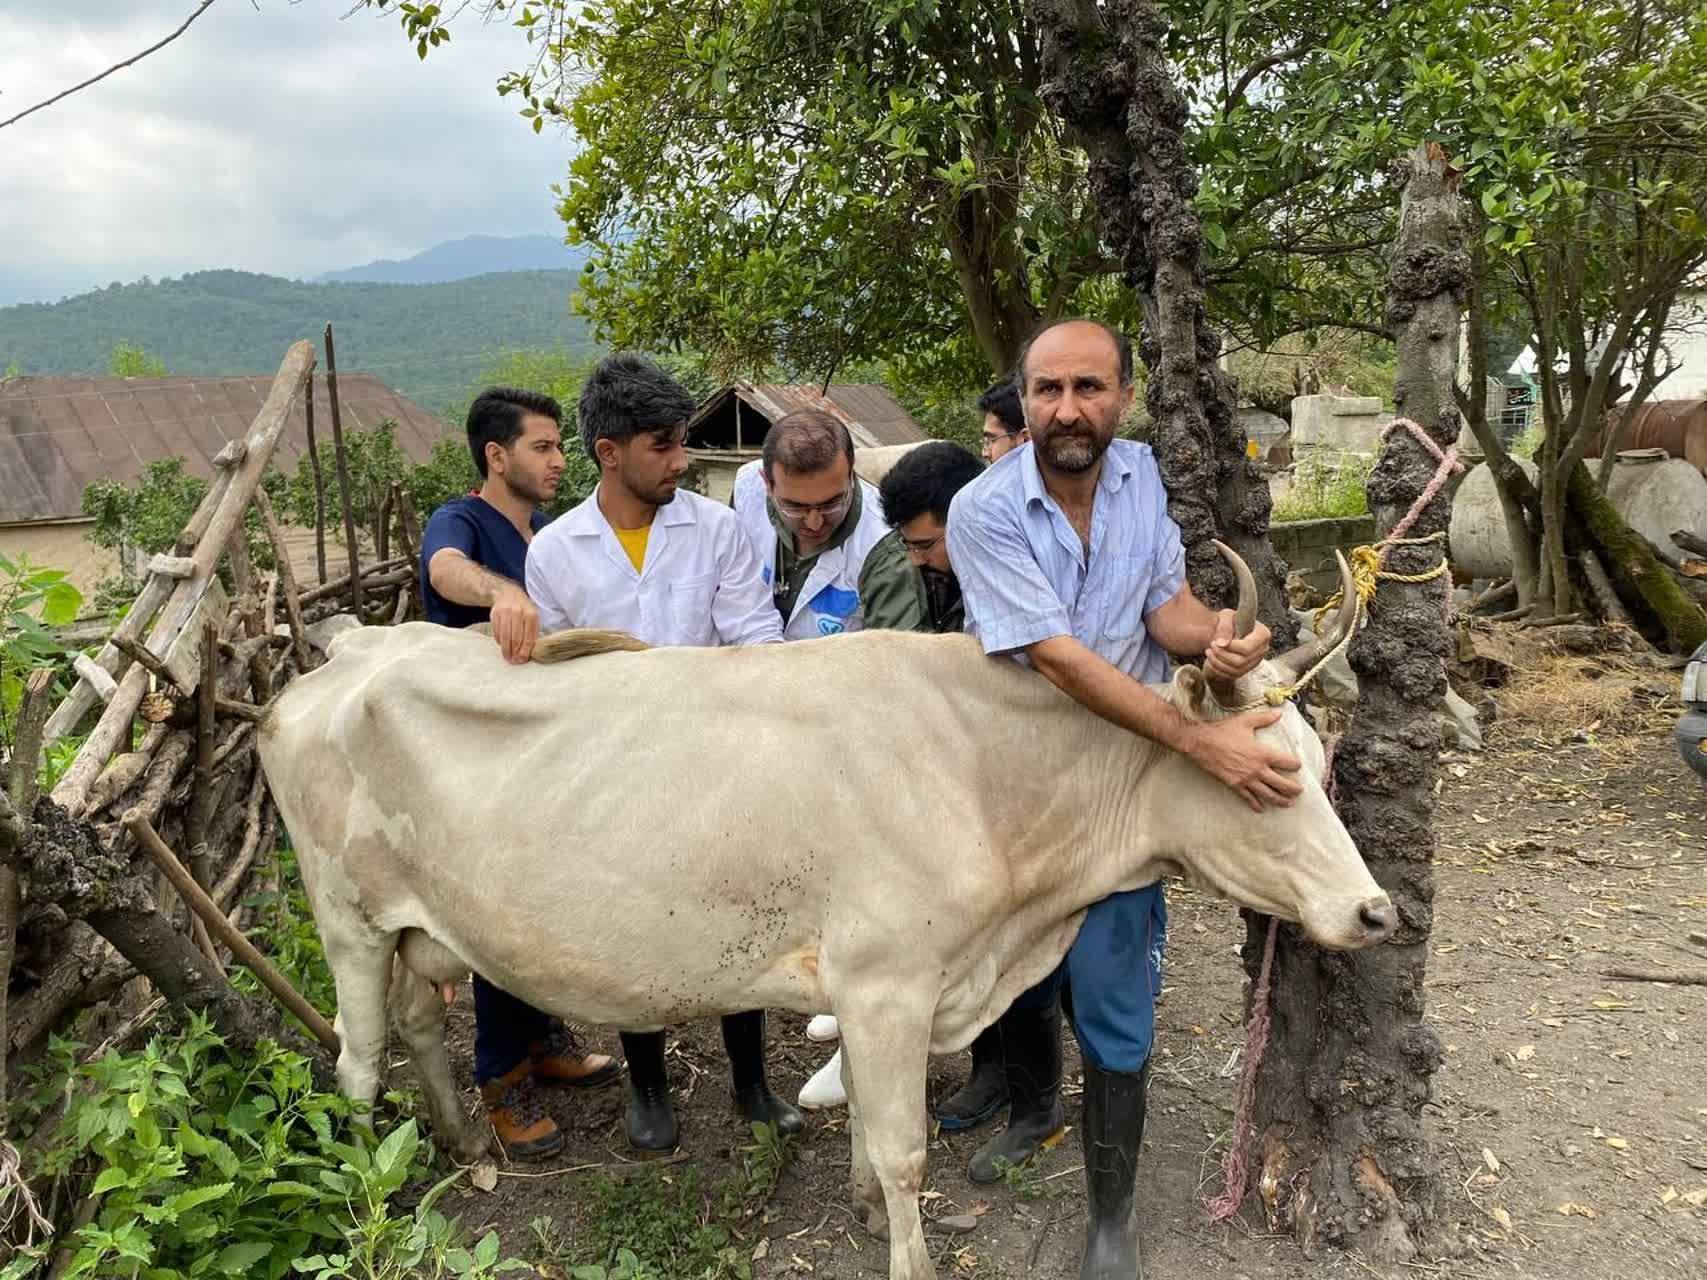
1070,563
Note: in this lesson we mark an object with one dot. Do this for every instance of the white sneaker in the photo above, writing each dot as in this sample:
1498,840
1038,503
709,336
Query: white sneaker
823,1028
825,1089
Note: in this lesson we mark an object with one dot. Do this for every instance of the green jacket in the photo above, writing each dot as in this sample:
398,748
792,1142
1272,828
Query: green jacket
899,597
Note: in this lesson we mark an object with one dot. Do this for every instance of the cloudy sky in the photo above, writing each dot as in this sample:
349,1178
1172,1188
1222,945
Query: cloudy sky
273,135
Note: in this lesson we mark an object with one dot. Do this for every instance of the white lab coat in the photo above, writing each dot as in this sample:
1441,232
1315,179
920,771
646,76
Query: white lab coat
829,602
699,584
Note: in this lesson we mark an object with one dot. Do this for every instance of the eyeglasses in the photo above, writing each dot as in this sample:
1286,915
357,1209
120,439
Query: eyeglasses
829,510
920,546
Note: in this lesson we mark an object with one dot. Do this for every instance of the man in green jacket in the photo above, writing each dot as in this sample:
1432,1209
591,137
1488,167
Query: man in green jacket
907,584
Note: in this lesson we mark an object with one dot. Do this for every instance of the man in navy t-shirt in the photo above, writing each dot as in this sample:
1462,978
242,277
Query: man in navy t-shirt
473,558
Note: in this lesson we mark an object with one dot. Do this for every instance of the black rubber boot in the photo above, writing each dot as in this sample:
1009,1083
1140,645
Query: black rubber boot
985,1091
1031,1053
1114,1133
744,1039
651,1120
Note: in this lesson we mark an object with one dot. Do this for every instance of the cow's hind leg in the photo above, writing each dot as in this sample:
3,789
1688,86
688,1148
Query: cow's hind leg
419,1012
886,1049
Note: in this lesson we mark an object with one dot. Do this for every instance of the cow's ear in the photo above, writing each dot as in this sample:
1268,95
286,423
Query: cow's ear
1192,690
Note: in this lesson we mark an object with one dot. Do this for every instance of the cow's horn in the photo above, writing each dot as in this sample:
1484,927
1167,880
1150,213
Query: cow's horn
1244,615
1295,662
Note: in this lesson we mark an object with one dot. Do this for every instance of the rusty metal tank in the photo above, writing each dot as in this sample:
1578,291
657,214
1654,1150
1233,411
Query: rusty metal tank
1677,426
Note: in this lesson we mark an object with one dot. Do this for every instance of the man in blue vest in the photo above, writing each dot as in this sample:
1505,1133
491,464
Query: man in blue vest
473,554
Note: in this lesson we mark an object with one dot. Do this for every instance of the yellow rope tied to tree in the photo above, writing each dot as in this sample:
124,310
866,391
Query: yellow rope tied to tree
1366,575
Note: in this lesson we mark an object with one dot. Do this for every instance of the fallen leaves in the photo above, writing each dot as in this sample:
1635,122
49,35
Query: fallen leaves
1571,1209
485,1176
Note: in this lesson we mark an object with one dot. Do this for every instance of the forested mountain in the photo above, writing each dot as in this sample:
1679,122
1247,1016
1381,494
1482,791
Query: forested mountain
429,341
460,259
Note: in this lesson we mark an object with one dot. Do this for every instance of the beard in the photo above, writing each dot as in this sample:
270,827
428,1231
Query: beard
1074,450
660,494
537,490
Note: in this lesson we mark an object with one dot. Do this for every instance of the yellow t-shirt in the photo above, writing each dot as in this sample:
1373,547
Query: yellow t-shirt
634,542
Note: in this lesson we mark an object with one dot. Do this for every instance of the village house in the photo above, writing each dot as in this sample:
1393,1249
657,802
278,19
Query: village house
728,430
60,434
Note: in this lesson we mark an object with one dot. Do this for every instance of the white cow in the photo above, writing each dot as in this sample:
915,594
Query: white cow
888,826
873,462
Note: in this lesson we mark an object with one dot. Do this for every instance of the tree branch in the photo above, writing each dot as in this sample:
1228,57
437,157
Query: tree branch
1237,94
117,66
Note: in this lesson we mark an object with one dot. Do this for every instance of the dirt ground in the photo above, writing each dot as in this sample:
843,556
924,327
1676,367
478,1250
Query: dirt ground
1571,1113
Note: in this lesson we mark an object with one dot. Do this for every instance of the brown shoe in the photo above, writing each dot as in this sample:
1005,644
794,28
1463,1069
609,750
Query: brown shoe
522,1126
560,1059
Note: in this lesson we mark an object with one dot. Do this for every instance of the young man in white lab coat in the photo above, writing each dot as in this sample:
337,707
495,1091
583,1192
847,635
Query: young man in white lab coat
670,568
811,522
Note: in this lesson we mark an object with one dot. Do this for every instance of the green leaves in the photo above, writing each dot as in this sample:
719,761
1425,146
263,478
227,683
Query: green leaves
210,1167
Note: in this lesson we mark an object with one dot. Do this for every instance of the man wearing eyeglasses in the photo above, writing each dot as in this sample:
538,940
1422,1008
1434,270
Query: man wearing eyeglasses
811,522
1004,420
907,583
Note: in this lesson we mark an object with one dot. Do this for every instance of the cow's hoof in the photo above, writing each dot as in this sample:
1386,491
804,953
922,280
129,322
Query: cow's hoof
471,1148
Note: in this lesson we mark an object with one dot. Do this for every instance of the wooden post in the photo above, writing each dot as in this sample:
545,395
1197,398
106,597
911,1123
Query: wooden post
408,527
287,578
319,489
114,725
343,474
159,586
241,948
21,792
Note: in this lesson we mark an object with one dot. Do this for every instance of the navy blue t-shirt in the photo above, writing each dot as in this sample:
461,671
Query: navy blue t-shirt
485,535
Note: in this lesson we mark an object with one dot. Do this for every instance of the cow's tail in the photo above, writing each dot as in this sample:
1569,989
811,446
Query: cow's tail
565,646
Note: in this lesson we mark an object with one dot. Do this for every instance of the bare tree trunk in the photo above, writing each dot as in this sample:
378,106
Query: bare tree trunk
1525,565
1349,1064
1108,78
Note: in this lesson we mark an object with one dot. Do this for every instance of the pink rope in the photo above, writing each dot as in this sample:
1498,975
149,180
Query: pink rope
1449,463
1235,1173
1235,1165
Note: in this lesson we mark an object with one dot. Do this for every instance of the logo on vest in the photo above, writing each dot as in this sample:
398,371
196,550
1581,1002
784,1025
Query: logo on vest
833,607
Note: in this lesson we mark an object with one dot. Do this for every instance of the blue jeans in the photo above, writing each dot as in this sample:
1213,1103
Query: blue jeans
504,1027
1112,973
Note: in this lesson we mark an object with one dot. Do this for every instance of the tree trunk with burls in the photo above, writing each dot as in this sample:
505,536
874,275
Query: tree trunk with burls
1344,1156
1108,79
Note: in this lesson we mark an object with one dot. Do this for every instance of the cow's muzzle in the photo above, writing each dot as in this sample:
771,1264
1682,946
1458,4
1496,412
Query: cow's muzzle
1379,918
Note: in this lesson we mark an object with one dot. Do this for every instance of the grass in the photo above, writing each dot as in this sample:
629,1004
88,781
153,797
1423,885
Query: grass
1323,490
665,1224
1605,695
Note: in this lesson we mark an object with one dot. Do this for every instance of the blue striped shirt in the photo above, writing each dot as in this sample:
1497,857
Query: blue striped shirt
1024,572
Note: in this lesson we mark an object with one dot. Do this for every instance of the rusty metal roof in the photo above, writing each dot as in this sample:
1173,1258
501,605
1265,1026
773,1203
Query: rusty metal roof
59,434
872,415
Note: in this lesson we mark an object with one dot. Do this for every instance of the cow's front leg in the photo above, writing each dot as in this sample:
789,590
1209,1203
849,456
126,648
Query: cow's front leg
886,1048
867,1190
